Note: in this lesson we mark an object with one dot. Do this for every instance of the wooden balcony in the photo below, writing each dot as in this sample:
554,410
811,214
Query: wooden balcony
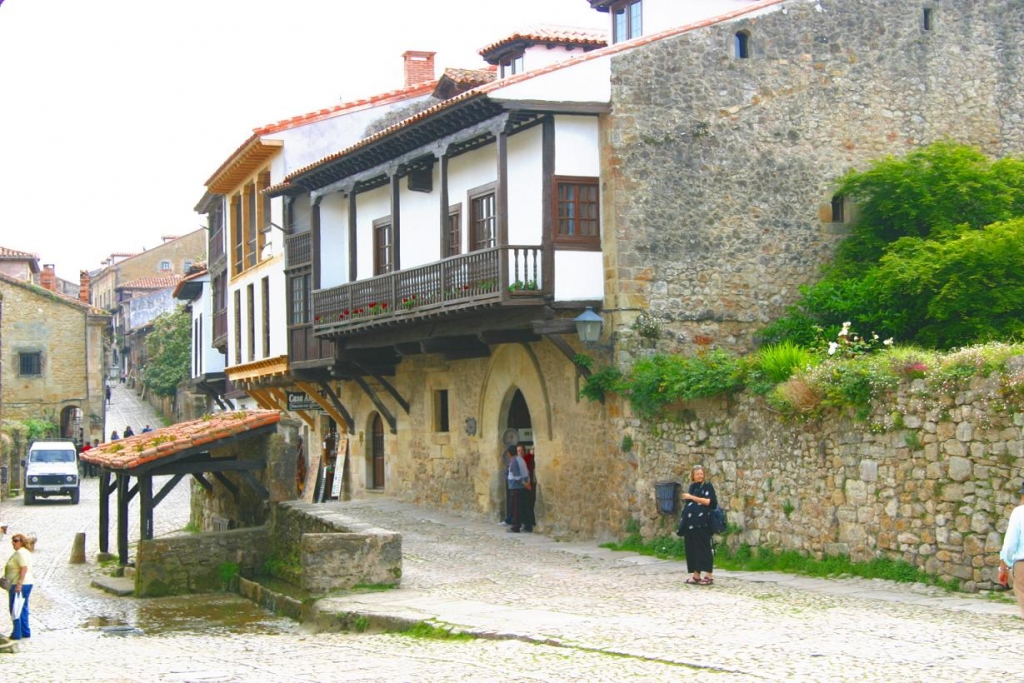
500,276
307,350
220,328
298,249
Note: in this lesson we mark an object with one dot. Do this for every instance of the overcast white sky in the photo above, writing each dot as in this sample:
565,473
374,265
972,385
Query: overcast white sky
114,112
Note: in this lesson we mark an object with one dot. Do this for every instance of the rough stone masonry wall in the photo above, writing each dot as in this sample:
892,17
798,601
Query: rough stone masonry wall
195,563
721,170
928,479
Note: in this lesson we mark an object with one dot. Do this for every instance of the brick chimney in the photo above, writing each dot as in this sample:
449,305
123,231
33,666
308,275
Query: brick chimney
47,278
83,286
419,67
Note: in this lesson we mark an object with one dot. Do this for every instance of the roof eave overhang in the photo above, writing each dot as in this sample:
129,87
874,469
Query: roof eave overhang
242,165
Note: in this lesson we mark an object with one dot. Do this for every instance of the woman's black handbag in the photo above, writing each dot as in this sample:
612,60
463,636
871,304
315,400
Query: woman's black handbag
718,522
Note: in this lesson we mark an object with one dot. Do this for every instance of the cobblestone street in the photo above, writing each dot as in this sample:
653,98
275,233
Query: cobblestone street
546,611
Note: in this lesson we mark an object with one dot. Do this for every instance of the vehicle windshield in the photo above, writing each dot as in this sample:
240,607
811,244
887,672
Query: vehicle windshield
52,456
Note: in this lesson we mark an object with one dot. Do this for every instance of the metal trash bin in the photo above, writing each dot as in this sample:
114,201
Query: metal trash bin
666,492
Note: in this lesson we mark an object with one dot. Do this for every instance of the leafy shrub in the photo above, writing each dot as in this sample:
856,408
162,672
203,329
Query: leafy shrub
662,379
604,381
775,363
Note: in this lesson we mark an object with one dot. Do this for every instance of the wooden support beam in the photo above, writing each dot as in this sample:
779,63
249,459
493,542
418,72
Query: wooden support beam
228,484
203,481
332,407
122,518
167,488
569,353
145,507
225,465
381,408
105,490
255,485
387,387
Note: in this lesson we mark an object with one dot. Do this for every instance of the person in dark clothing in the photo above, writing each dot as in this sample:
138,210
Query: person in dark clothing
128,432
518,484
506,456
695,526
530,494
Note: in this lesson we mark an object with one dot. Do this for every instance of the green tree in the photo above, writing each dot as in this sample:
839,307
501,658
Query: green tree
169,348
933,246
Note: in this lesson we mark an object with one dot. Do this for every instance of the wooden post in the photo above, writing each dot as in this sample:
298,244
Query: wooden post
122,519
104,511
146,507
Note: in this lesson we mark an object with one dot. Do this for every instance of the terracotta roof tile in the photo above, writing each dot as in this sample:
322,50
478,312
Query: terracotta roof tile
154,282
474,76
548,34
140,449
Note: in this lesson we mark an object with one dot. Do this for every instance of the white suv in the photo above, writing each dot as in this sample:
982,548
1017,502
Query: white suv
51,470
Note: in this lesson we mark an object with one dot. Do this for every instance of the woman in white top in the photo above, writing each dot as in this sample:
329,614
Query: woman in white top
18,574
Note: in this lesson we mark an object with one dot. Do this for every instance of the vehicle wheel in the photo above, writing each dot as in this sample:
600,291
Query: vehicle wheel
74,497
30,497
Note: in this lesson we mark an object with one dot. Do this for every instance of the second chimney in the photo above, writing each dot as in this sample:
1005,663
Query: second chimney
419,67
48,278
83,287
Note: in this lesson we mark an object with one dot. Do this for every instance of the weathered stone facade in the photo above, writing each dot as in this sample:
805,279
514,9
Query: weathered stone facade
930,479
721,170
196,563
220,506
69,338
186,250
581,490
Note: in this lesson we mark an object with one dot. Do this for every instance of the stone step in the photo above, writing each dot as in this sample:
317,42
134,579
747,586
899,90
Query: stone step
116,585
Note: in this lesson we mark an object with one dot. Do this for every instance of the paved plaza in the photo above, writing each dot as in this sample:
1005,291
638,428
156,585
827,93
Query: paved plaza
543,611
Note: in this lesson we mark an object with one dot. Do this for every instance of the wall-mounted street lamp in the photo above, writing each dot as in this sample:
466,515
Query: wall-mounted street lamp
588,326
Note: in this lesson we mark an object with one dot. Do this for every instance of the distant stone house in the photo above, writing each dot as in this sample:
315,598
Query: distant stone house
141,302
52,352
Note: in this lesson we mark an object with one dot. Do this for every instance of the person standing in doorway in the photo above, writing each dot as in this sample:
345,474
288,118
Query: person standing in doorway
530,493
695,527
518,484
507,454
1011,557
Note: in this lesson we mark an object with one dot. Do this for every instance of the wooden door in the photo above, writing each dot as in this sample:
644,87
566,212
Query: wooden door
378,452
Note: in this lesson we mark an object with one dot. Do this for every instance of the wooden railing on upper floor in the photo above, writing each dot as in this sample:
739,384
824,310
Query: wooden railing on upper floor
499,275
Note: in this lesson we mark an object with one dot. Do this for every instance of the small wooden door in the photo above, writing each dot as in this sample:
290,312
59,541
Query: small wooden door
378,452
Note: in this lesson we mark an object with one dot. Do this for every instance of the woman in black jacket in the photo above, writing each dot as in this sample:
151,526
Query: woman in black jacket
695,526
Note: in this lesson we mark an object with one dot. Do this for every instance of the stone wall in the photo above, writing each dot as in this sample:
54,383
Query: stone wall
70,341
584,488
716,206
197,563
927,479
219,505
332,552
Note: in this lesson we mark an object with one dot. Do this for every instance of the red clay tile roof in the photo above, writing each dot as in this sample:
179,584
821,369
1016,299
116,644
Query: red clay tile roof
547,34
153,282
320,114
518,78
57,296
126,454
15,255
474,76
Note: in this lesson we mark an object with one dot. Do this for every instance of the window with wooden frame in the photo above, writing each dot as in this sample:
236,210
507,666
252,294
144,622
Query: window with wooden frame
238,326
577,219
237,238
250,309
627,20
453,231
383,246
511,65
483,219
30,364
299,299
251,230
265,216
265,311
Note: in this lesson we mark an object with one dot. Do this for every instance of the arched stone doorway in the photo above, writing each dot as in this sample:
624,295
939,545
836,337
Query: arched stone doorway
517,418
71,424
376,454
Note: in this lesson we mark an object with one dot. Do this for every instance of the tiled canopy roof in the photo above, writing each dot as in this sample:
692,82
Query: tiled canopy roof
549,35
154,282
158,444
